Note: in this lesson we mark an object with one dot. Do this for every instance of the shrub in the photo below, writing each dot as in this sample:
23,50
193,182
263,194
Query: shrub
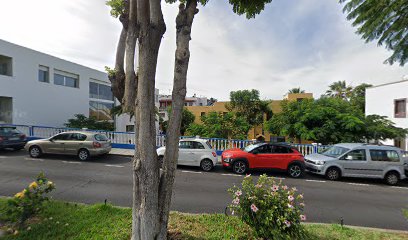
270,208
29,201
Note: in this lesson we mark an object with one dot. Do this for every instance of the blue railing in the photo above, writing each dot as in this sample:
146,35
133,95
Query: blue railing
126,139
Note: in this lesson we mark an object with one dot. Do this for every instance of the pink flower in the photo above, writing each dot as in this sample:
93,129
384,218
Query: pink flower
291,198
303,217
238,193
258,185
290,205
285,187
235,201
275,188
254,208
294,189
287,223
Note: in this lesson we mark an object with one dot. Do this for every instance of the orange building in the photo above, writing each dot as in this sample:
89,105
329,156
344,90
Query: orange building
257,132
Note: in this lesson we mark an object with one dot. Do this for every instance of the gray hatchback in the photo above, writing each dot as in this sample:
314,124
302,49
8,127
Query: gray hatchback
358,160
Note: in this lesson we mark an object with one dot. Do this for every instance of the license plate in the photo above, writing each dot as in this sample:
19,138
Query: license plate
14,138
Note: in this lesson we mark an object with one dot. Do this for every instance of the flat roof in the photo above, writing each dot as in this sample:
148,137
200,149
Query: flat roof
390,83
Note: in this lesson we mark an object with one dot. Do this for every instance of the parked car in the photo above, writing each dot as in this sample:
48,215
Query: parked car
193,152
11,137
82,144
358,160
264,156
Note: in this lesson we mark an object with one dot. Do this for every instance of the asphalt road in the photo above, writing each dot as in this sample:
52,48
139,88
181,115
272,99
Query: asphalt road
359,202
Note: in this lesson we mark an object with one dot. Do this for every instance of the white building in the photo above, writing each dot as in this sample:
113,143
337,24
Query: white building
165,102
390,100
39,89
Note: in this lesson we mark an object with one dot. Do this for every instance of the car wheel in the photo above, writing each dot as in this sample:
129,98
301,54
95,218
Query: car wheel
333,174
83,154
392,178
160,159
295,170
35,151
206,165
239,167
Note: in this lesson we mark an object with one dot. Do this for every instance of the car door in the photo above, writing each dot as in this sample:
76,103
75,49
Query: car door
381,159
185,148
354,163
263,157
57,143
74,143
196,154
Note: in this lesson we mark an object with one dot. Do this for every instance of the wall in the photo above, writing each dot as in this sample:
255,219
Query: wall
380,101
39,103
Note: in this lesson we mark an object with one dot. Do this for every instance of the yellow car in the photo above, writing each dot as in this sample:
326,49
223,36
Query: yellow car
82,144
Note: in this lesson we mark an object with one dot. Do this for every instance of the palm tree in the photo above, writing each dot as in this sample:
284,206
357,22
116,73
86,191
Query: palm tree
339,89
296,90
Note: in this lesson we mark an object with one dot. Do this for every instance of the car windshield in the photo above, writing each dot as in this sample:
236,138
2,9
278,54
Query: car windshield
9,130
334,151
252,147
100,137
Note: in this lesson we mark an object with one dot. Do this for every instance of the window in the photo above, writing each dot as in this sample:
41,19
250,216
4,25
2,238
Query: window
100,137
400,108
384,155
66,79
185,145
78,137
197,145
6,64
100,110
209,144
355,155
202,114
43,74
100,91
130,128
281,149
265,149
62,137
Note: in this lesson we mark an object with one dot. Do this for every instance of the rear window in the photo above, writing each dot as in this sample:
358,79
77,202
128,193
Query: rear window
208,144
100,137
8,130
384,155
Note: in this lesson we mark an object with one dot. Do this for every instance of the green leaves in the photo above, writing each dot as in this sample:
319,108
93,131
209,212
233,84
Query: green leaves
117,7
248,7
384,20
81,121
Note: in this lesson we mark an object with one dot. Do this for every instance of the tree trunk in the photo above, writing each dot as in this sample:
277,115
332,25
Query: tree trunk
184,22
145,212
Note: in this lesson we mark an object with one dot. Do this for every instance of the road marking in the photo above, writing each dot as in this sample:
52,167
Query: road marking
231,174
311,180
359,184
71,162
34,159
400,187
110,165
279,178
191,172
3,157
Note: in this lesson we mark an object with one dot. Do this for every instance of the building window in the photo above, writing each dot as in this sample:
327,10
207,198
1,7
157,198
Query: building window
6,66
130,128
400,108
100,91
43,74
66,79
100,110
202,114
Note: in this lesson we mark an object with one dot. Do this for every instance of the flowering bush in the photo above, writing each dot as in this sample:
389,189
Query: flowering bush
29,201
270,208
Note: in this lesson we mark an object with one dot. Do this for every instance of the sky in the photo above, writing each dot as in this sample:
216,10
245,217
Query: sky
292,43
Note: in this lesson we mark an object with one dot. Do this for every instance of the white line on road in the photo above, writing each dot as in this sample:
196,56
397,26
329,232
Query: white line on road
359,184
191,172
3,157
71,162
231,174
311,180
110,165
400,187
279,178
34,159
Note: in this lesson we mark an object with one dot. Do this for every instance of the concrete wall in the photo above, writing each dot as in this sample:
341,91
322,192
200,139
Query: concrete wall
380,101
39,103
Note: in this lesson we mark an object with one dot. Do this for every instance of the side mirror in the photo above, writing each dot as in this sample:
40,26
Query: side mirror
51,140
349,157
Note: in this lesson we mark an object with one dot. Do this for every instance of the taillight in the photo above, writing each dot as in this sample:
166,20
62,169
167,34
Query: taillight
96,145
214,154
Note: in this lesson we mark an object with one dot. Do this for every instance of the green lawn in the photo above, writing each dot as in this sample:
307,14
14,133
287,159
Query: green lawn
77,221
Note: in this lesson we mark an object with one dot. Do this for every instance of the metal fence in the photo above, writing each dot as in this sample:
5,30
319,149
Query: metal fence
127,139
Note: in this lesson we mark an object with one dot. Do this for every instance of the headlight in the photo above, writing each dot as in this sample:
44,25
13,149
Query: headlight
319,162
227,160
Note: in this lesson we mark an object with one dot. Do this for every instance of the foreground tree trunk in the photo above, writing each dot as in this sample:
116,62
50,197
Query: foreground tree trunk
184,22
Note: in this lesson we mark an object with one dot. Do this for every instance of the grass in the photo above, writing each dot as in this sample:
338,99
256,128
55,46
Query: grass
62,220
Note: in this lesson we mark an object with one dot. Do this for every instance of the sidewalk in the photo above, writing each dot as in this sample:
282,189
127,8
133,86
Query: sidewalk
123,152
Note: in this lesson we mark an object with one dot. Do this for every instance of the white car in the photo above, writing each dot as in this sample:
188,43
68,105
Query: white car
194,152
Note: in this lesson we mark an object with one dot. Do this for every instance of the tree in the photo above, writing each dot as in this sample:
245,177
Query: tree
381,128
357,98
339,89
221,125
186,120
246,103
81,121
386,21
296,90
142,21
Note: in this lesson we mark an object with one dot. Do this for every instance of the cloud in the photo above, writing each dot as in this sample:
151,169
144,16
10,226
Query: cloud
292,43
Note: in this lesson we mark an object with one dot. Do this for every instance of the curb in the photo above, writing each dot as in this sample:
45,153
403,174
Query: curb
359,227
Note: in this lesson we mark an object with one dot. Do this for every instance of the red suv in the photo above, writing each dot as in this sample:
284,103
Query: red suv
264,156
